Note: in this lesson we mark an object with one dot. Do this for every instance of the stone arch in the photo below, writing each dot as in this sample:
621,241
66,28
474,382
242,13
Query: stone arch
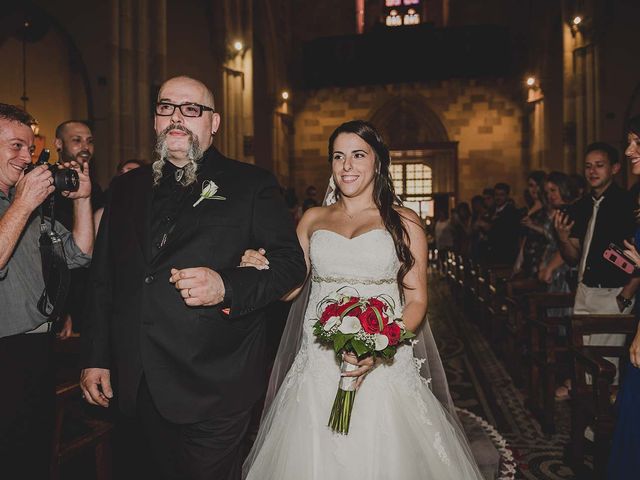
41,23
408,121
56,81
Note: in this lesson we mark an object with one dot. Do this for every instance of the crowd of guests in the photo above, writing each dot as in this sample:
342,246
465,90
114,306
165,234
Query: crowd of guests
567,238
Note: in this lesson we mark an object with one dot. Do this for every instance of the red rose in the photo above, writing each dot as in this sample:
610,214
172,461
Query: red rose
379,304
349,302
369,321
393,332
381,307
330,310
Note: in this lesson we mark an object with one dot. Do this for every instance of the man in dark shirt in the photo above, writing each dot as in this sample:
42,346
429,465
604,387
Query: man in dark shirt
604,217
168,308
505,228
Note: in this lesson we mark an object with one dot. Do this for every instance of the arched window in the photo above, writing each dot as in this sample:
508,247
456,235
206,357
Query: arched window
413,183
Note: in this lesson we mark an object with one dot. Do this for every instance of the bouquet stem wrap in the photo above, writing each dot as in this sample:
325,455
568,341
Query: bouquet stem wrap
343,404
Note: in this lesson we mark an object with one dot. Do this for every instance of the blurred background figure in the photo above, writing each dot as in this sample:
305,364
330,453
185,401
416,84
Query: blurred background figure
128,165
311,199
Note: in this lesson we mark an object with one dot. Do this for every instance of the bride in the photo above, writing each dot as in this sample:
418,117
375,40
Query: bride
364,241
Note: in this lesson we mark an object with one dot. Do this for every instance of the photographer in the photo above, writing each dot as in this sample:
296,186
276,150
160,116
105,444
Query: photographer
26,375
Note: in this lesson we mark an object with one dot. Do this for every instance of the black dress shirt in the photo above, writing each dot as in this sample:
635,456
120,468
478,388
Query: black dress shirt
614,223
168,198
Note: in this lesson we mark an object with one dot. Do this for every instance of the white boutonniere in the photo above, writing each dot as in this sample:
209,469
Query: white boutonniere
209,189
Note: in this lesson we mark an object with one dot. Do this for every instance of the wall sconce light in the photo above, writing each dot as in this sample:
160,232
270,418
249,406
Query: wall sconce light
534,92
236,48
577,23
285,95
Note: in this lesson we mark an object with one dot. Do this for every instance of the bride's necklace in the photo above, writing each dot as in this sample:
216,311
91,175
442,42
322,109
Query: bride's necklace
352,216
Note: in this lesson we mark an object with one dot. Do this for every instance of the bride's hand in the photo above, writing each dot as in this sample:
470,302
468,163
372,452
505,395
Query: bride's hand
255,259
365,365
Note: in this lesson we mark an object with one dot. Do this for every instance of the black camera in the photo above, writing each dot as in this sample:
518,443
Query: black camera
64,179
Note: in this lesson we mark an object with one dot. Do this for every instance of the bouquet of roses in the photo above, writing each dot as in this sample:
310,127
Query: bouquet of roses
363,326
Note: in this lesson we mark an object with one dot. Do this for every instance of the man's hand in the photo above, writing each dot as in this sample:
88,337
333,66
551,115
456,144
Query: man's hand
631,252
545,275
563,225
84,190
96,386
67,328
33,188
199,286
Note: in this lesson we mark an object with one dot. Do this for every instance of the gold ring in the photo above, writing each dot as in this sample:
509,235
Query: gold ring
188,293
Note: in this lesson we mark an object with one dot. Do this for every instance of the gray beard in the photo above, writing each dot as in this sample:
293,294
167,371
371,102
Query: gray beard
194,153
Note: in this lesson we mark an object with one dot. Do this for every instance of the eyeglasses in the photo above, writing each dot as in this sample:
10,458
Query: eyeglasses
166,109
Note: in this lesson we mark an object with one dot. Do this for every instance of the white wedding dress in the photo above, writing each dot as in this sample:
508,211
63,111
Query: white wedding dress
398,428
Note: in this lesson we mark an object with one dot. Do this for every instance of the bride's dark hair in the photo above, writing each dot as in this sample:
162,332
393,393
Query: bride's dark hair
383,193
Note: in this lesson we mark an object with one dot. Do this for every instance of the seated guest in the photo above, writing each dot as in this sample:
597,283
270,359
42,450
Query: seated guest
488,196
478,247
461,228
504,230
127,165
605,216
443,233
579,187
26,373
553,271
311,200
533,240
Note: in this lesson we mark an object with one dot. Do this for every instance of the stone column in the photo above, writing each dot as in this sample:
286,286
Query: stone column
143,118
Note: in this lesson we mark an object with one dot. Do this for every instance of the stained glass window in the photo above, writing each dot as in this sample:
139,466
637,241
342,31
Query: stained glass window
403,12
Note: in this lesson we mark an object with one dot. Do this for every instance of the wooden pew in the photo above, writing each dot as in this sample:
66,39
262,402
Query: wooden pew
548,353
591,404
97,436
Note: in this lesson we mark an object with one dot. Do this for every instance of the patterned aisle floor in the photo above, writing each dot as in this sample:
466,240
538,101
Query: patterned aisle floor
480,384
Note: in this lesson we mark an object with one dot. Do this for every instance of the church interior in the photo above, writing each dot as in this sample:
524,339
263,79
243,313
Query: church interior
471,97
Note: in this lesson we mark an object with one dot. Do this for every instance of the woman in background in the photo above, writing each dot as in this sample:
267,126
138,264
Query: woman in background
624,462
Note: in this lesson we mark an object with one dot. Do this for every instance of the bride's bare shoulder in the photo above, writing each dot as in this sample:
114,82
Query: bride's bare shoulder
410,219
408,215
314,218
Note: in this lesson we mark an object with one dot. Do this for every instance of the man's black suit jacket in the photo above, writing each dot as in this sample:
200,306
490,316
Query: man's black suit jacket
199,362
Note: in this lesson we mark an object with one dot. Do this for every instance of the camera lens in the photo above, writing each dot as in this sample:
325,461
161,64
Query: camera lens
66,180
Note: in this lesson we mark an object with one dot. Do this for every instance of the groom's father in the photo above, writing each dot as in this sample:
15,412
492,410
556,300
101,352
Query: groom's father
169,313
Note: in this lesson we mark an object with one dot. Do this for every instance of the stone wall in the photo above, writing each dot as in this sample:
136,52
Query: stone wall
484,117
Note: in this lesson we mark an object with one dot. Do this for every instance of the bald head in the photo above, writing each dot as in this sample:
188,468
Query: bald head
196,86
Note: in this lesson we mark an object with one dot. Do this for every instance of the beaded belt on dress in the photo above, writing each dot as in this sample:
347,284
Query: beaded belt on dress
351,281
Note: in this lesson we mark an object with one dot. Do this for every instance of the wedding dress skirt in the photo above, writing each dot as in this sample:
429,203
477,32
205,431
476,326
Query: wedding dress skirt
398,430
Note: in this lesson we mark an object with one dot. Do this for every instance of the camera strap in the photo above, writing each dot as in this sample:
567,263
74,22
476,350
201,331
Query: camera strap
55,272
